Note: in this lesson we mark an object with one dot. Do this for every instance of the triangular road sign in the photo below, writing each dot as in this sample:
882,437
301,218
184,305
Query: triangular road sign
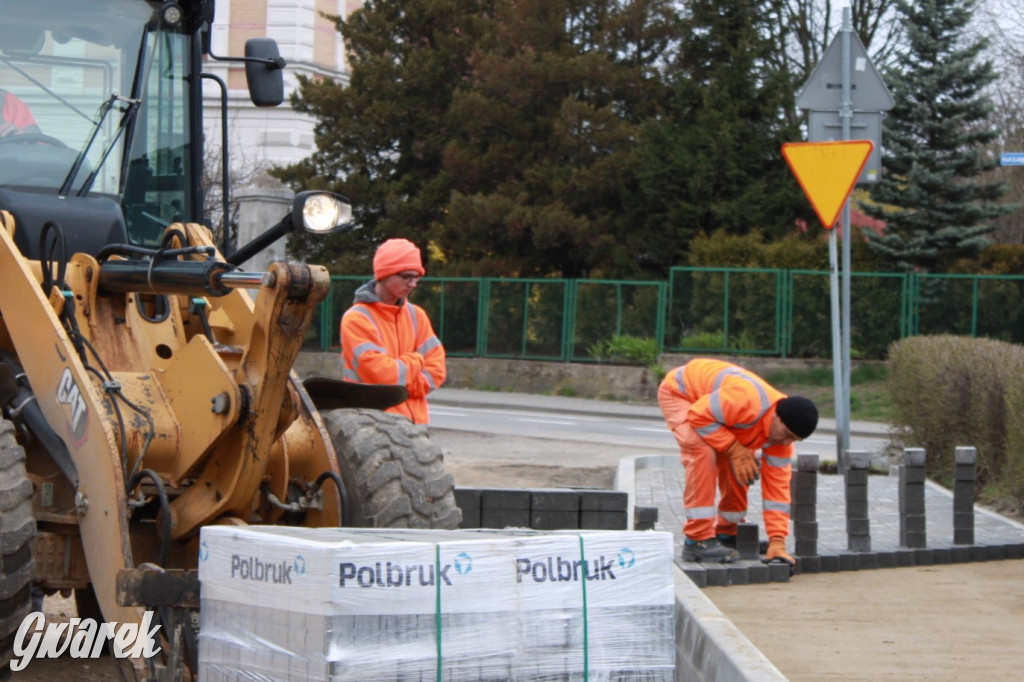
827,172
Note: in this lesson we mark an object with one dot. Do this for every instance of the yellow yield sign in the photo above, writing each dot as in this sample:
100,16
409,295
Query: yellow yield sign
827,172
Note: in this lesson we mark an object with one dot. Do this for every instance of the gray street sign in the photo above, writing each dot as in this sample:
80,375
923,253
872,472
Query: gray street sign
826,126
824,89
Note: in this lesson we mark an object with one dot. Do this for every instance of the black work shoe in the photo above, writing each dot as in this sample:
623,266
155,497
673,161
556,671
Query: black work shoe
711,551
727,540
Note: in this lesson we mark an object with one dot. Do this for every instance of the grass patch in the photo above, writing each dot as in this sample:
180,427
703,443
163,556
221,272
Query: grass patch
869,397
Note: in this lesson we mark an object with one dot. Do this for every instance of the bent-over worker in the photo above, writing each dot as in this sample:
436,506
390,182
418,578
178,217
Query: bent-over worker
721,414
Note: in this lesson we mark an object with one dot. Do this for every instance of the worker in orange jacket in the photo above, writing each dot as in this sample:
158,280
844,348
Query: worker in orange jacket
721,414
385,339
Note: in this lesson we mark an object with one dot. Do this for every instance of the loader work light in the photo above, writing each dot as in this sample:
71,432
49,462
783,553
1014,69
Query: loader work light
171,13
321,212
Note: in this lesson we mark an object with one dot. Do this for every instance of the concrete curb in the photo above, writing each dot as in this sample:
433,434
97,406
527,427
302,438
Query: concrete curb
708,645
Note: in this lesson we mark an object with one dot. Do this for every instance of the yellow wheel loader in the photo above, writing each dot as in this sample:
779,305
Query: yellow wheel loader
145,377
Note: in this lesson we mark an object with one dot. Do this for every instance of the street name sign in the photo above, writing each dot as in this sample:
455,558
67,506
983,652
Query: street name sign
1011,159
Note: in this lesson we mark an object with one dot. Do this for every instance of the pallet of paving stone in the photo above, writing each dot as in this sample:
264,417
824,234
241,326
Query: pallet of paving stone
360,604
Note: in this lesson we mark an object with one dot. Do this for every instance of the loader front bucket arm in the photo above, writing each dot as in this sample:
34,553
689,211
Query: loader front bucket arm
228,483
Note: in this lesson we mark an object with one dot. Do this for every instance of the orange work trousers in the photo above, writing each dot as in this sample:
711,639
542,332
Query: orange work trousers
709,472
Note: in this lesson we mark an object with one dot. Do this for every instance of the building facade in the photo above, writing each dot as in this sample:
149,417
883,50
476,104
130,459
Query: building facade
311,45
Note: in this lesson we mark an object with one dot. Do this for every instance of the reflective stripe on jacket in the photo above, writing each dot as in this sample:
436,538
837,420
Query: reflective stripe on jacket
392,344
729,404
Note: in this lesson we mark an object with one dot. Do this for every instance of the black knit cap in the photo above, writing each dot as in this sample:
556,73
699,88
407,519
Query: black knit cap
798,414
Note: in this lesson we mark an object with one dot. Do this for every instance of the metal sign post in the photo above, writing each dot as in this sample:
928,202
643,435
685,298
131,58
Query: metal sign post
846,82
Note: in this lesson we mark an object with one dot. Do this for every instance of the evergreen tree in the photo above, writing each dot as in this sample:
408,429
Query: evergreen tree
714,161
931,195
380,137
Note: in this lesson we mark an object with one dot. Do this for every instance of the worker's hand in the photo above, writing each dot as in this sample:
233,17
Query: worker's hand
777,552
744,464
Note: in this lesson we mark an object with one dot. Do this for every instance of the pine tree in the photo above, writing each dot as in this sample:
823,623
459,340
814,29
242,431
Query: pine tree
936,206
713,161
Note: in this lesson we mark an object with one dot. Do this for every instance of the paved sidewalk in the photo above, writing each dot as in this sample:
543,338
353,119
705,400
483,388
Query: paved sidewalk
659,482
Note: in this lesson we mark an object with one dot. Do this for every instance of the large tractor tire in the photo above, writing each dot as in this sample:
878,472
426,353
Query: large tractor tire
394,476
17,530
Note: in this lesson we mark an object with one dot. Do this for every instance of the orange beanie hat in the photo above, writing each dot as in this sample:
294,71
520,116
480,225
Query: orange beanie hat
396,255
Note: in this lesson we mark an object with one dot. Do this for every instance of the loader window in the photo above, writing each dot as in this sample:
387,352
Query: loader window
106,87
156,191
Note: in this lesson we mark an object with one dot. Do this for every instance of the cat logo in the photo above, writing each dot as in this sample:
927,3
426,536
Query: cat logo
75,409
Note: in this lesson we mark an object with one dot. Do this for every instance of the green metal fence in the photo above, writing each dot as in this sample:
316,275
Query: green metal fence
753,311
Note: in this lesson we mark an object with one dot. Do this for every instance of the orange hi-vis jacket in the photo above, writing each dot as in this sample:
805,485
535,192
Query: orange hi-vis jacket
729,404
722,403
392,344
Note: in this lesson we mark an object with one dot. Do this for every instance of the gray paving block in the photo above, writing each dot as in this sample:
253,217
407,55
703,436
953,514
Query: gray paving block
914,523
860,526
867,561
804,513
959,554
978,553
912,474
964,473
856,493
604,501
886,559
808,564
554,520
912,506
963,504
778,573
807,463
848,561
747,540
857,510
696,573
470,518
996,552
504,518
941,555
806,531
717,575
603,520
904,557
500,498
858,543
856,478
805,496
914,539
467,498
555,500
739,573
1014,551
829,563
924,556
805,548
963,536
758,573
963,519
645,514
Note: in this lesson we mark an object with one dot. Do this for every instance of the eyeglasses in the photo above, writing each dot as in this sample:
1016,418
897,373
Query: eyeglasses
409,278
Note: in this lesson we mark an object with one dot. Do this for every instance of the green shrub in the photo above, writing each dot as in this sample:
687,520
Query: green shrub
950,391
631,350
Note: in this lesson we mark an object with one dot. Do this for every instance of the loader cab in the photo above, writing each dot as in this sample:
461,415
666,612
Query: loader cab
102,109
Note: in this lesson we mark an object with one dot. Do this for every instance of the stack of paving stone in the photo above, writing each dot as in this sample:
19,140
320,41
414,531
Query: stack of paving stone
373,605
547,509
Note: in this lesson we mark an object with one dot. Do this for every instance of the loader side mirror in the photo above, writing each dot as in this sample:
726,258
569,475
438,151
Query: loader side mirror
264,72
